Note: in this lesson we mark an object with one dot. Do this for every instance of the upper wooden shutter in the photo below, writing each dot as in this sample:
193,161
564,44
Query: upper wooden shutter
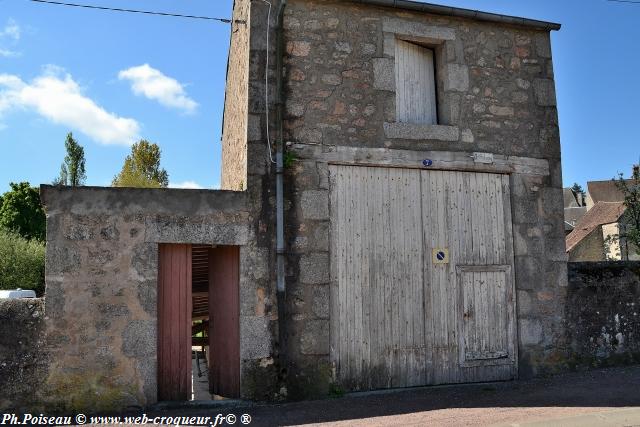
415,84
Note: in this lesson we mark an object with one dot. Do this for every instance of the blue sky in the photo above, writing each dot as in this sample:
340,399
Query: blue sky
114,77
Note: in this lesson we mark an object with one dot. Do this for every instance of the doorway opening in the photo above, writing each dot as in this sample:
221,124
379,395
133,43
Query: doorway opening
198,322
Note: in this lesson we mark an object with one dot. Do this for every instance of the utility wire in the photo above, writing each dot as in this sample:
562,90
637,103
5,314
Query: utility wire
146,12
625,1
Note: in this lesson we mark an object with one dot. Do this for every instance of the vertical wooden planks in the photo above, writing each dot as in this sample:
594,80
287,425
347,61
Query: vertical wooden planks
376,214
484,296
174,322
224,323
398,319
415,84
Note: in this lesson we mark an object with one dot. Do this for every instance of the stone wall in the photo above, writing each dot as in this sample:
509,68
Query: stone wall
603,320
234,129
23,355
101,284
590,249
496,94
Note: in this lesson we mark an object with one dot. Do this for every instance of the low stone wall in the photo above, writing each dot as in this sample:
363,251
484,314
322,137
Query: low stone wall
101,285
603,313
23,359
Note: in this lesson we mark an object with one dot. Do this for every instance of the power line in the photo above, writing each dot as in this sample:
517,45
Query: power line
625,1
146,12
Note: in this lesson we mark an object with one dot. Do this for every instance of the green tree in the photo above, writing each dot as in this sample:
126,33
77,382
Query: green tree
142,168
631,218
577,188
21,262
72,171
22,212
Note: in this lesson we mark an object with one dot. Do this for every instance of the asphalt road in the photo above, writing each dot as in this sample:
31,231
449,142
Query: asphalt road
607,397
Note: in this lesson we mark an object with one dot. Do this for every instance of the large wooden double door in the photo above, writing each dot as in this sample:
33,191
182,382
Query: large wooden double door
422,277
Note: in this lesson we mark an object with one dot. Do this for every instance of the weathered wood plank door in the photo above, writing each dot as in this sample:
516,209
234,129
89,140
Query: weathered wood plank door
174,322
400,316
415,84
377,284
224,324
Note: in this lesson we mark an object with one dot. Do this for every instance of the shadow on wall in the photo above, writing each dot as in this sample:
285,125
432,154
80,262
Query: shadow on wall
603,314
23,357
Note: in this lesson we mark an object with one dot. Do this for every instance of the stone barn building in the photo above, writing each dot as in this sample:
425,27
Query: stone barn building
391,216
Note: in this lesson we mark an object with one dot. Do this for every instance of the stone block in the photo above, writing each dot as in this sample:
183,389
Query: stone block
314,339
298,48
320,301
467,136
389,45
194,230
321,237
501,111
254,128
457,78
384,76
139,339
256,337
61,259
314,268
528,272
545,92
331,79
530,331
543,45
417,29
144,260
147,292
422,132
315,204
524,303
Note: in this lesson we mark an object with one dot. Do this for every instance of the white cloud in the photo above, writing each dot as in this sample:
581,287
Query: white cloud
185,185
9,34
6,53
153,84
55,96
11,30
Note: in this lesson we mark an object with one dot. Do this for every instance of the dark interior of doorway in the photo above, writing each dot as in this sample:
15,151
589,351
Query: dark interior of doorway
200,349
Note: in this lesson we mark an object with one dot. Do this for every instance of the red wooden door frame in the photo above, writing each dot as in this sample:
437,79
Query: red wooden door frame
174,322
224,324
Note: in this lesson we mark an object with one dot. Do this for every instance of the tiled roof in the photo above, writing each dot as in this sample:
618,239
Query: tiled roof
602,213
569,198
572,216
605,191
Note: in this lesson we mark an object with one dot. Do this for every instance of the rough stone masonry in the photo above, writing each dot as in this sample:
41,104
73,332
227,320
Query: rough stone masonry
495,93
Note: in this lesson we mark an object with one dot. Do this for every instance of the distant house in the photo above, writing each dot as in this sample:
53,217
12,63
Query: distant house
603,191
596,236
574,208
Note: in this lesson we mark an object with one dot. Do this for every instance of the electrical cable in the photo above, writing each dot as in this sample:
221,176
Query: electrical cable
146,12
266,83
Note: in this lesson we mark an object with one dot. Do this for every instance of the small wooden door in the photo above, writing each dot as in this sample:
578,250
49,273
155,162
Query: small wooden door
224,324
174,322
